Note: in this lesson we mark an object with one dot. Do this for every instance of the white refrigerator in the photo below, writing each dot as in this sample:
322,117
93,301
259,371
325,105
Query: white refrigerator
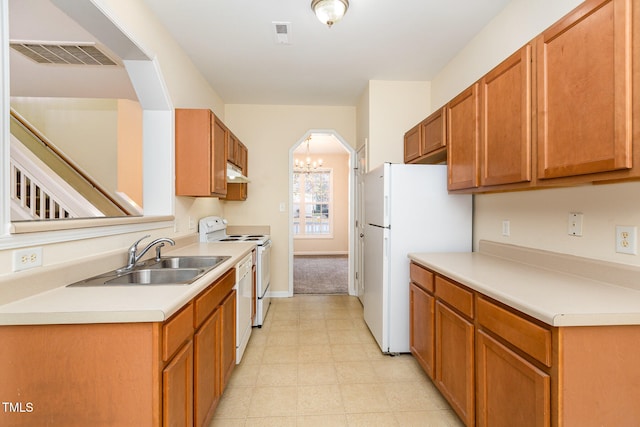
407,209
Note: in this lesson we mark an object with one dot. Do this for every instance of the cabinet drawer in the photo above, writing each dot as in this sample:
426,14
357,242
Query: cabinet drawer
527,336
176,330
211,297
421,277
454,295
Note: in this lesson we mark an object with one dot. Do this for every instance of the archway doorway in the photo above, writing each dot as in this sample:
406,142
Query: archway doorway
321,214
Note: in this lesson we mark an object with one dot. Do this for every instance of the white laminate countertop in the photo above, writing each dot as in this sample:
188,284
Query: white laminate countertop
120,304
554,296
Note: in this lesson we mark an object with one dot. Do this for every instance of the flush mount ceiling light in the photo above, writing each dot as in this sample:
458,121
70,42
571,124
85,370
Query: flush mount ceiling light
329,11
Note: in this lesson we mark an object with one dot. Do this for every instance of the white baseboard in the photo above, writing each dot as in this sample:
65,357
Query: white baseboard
280,294
311,253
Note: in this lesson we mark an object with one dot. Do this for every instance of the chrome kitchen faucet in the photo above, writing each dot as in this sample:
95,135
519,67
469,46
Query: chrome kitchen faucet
134,257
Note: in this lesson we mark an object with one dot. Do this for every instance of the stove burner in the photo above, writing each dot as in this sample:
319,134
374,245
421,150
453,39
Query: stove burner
236,236
231,239
253,238
256,235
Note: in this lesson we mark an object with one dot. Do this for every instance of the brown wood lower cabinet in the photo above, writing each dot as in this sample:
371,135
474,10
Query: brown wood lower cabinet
151,374
422,327
499,367
207,375
454,361
177,389
510,390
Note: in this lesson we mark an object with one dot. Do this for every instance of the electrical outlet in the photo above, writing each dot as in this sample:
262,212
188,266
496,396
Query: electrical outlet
192,223
506,228
626,237
27,258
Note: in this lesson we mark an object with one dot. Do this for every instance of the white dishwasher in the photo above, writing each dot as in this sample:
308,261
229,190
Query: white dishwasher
243,304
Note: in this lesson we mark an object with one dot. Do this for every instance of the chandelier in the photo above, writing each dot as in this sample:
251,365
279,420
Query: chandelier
329,11
307,165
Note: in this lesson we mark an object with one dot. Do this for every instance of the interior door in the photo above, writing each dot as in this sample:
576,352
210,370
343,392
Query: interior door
361,158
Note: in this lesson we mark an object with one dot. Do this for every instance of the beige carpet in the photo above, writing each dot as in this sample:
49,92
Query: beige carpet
327,274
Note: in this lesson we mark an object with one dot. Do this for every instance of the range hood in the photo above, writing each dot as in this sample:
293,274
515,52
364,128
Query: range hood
235,176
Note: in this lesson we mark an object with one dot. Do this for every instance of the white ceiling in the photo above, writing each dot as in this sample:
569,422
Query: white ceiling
233,43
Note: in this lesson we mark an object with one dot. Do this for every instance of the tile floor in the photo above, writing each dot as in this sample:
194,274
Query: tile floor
315,363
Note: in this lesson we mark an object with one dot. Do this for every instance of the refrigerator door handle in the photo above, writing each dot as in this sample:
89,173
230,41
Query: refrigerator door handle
386,210
385,253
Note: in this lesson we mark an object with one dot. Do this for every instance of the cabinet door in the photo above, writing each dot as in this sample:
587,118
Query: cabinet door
239,191
584,91
193,152
177,389
505,142
455,362
243,158
232,149
511,391
219,158
422,327
228,312
207,369
412,144
434,132
462,140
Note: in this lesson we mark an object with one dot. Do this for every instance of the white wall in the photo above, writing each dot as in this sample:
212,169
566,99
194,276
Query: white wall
518,23
538,218
393,108
130,149
269,131
86,130
362,118
187,88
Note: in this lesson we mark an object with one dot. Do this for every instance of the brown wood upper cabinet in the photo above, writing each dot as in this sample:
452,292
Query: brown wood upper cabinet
412,144
559,111
426,142
505,121
238,191
584,66
237,152
232,149
201,153
462,139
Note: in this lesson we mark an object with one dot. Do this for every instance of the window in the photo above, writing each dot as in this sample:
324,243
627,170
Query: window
312,203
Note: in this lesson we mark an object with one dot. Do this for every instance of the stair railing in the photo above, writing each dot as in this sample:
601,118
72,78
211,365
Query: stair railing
77,169
38,193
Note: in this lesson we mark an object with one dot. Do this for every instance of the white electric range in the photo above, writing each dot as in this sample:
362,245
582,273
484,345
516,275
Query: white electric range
214,229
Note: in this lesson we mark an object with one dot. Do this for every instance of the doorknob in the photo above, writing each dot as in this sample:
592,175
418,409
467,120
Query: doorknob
361,234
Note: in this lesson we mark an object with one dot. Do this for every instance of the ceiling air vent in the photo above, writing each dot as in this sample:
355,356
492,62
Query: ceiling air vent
282,32
57,53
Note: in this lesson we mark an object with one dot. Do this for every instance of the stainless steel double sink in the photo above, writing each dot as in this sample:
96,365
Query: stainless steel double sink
178,270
